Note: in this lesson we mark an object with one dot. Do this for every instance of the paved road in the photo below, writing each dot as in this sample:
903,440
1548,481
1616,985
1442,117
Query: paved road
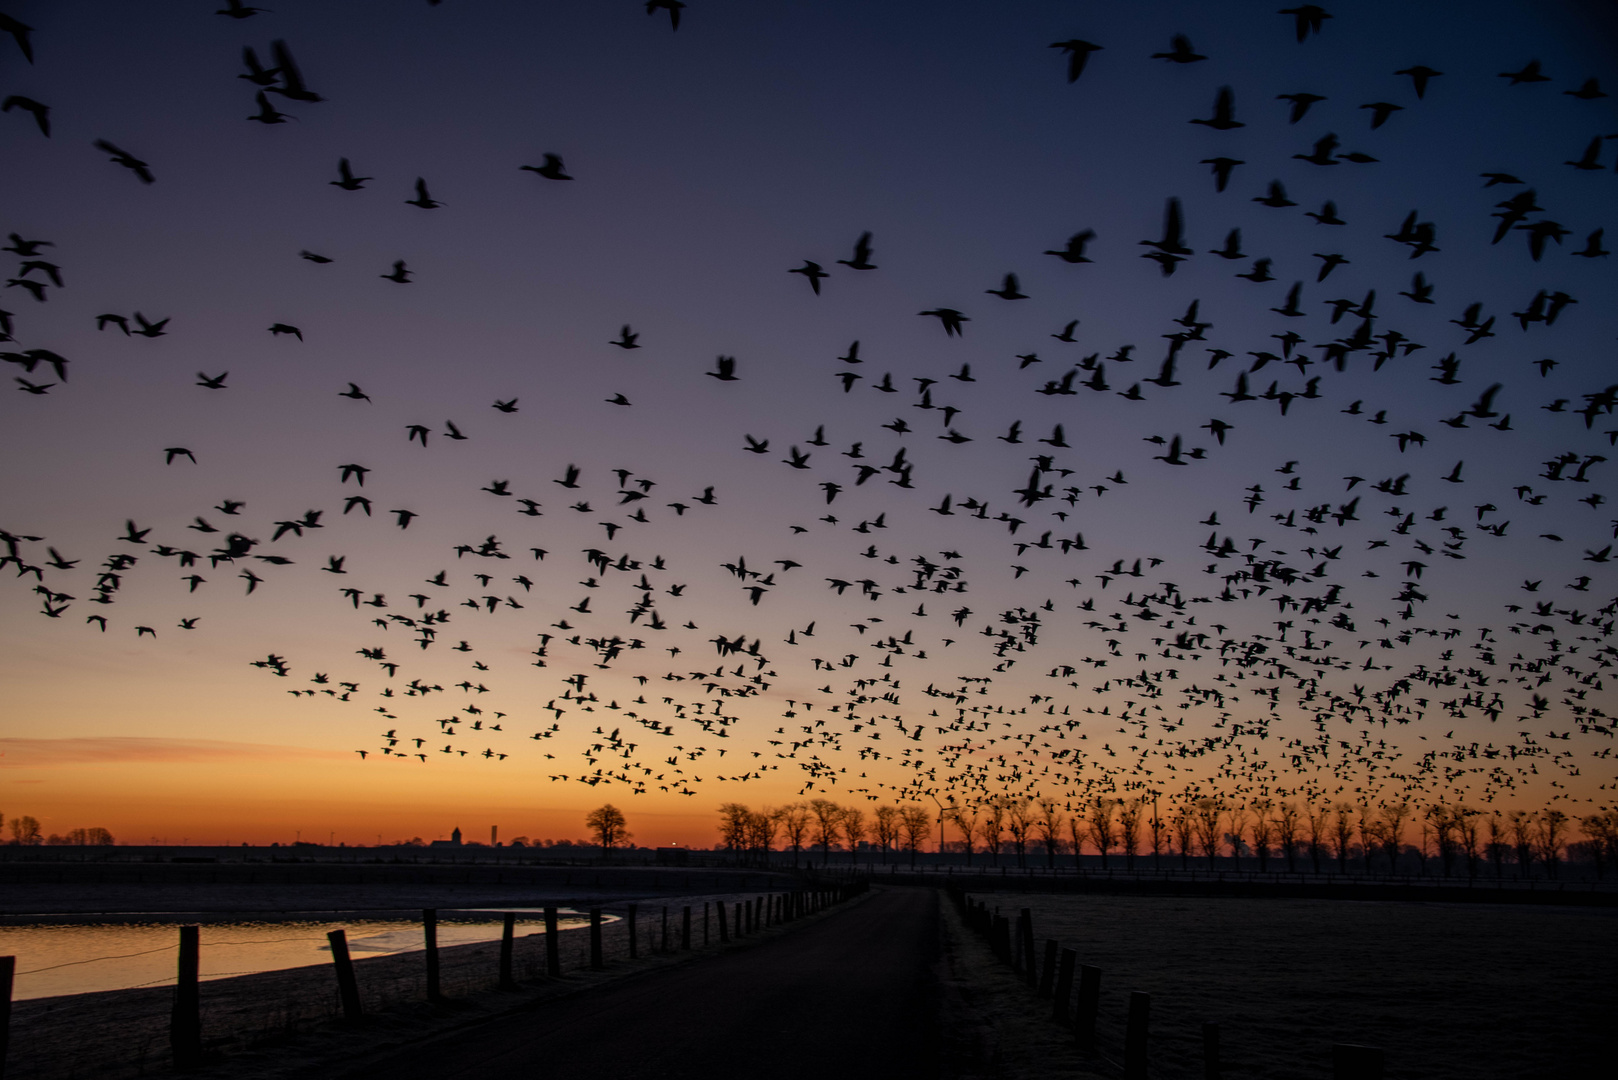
849,996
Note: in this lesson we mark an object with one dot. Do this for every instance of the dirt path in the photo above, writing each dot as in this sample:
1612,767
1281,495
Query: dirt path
850,996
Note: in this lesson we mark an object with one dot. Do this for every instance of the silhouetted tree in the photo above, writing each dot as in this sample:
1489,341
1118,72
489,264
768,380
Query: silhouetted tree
1550,833
734,823
889,824
609,825
25,830
1207,813
1319,819
993,826
1130,812
854,830
1466,826
1390,824
1602,831
1018,824
794,819
1158,828
1343,833
1521,823
1263,830
761,830
1098,816
1286,833
918,825
1239,819
827,817
1185,832
1442,819
966,819
1049,825
1497,845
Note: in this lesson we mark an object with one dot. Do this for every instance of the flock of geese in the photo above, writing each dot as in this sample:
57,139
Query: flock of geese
1299,653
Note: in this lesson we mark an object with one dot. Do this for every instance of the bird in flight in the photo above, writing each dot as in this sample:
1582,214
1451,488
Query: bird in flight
673,7
811,270
950,318
1180,51
346,178
1078,55
127,160
41,112
1307,19
862,254
423,199
292,86
1073,250
552,169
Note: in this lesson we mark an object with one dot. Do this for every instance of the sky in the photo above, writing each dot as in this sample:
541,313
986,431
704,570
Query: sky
1302,625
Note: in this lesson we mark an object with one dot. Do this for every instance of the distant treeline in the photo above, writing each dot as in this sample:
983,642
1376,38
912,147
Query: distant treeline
1320,837
26,832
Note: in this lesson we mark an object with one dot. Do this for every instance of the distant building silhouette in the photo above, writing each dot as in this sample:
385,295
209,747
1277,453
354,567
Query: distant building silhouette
453,841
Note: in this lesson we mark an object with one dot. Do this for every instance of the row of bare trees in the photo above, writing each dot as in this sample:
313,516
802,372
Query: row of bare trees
1332,833
26,832
751,834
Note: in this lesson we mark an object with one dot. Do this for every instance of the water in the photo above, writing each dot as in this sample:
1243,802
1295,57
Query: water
80,959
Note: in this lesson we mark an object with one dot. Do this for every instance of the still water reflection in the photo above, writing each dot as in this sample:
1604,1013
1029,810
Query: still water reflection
79,959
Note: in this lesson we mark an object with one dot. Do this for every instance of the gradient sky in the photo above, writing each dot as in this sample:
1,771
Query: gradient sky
707,163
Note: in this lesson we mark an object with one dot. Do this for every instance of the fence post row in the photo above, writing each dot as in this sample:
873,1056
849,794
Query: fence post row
1054,978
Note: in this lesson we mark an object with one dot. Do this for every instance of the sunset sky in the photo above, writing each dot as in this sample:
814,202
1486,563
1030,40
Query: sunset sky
707,162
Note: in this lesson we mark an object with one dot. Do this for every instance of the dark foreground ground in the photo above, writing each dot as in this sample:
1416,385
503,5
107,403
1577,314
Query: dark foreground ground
891,984
802,1005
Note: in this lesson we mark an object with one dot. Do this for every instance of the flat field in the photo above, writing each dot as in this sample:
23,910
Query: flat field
1446,990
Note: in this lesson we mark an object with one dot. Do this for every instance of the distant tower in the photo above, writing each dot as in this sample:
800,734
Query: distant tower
455,837
494,836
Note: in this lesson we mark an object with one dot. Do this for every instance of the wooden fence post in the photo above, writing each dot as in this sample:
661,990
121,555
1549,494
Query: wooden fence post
1210,1051
1064,986
1089,1002
664,940
1025,924
348,988
1047,971
508,935
633,909
185,1025
596,961
1140,1008
429,930
685,929
8,974
724,927
553,947
705,916
1353,1062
